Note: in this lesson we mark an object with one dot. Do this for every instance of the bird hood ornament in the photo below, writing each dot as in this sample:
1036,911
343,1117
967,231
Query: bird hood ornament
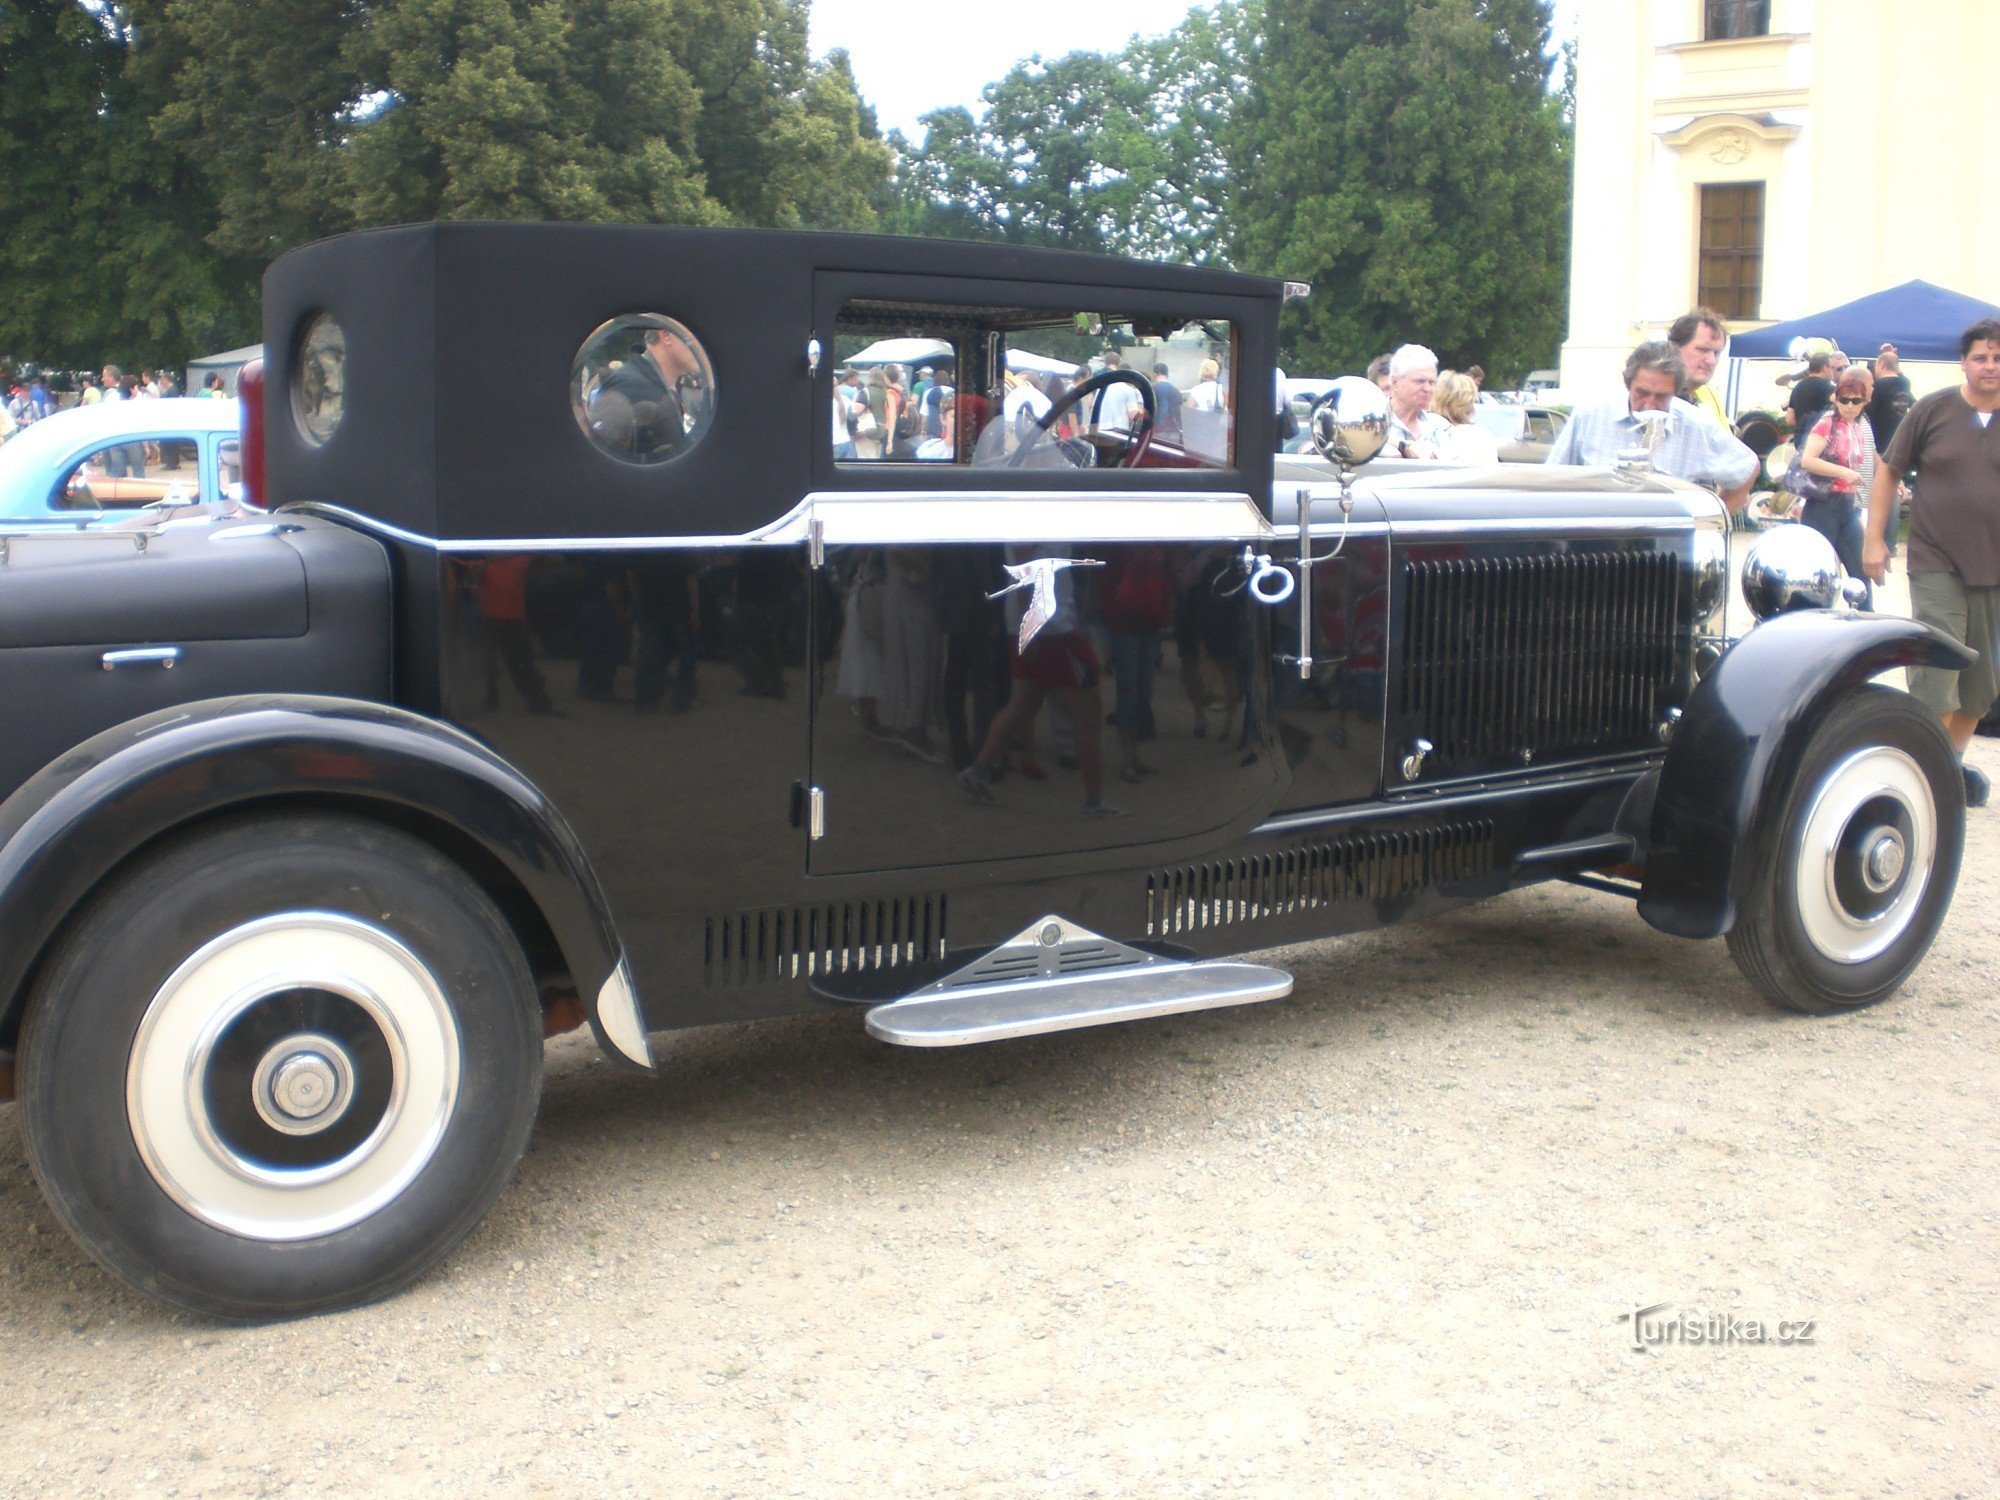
1039,574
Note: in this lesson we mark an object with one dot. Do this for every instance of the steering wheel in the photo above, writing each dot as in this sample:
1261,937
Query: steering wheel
1135,445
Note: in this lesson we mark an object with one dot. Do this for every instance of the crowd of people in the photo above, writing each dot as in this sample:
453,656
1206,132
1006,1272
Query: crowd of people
885,413
1862,449
31,396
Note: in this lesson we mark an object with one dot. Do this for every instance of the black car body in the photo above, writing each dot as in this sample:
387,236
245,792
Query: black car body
545,692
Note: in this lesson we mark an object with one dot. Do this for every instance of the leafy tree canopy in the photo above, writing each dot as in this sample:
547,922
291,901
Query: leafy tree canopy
1411,164
176,146
1116,153
104,252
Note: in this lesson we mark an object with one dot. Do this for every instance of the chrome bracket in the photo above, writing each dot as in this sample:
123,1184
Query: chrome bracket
1413,761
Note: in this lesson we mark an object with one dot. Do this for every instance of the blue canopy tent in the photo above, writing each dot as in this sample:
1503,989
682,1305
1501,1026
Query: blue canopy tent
1923,322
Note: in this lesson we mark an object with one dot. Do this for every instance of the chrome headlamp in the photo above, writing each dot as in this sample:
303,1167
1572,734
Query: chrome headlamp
1794,567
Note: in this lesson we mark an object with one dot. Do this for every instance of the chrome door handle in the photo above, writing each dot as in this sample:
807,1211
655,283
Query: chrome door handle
141,656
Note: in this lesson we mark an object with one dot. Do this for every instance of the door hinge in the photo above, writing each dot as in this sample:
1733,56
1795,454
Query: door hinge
816,541
815,813
812,355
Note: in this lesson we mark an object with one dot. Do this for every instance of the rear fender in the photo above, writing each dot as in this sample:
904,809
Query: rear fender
75,822
1736,747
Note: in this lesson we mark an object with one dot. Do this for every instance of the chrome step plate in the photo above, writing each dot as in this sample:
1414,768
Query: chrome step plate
1057,976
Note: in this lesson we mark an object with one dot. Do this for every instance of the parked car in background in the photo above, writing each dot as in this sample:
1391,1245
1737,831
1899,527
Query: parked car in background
1526,433
101,463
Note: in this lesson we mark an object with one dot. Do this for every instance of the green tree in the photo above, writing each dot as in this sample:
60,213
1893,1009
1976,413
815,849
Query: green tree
1410,163
104,252
662,111
1120,153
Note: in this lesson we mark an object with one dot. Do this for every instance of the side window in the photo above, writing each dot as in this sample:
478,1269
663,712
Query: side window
125,476
1540,428
1031,388
642,389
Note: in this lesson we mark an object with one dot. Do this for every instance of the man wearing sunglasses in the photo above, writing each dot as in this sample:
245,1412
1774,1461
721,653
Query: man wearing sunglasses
1952,439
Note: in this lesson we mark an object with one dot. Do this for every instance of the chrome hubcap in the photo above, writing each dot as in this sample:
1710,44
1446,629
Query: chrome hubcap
1882,866
1864,860
304,1084
293,1075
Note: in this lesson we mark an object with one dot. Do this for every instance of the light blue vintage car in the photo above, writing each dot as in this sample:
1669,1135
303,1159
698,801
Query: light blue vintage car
105,462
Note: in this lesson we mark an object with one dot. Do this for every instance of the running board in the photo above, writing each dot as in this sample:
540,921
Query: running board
1057,976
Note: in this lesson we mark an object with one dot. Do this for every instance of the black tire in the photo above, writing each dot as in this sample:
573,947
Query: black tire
284,1065
1861,862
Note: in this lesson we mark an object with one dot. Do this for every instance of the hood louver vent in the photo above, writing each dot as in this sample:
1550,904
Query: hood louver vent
1381,867
813,942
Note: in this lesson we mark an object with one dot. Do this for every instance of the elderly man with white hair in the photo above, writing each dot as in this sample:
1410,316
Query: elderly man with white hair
1414,429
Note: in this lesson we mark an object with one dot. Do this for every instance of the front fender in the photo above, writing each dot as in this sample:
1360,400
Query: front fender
1739,740
74,822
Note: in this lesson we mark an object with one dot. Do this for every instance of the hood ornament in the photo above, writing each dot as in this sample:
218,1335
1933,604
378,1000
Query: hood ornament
1039,574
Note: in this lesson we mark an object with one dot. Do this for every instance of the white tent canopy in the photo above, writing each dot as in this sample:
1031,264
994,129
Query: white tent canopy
902,352
1022,362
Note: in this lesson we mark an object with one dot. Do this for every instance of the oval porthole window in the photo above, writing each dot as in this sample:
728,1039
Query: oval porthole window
642,389
319,380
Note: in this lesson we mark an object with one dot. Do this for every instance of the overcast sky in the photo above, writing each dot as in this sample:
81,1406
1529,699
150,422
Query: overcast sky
910,61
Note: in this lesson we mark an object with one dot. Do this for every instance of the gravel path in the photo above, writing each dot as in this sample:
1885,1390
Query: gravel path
1374,1239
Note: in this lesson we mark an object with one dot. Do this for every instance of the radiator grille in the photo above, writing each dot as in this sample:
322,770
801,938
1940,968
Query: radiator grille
1378,867
1517,658
807,942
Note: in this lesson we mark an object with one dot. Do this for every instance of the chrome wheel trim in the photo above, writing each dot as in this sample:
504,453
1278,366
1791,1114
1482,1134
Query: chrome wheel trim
1873,828
167,1077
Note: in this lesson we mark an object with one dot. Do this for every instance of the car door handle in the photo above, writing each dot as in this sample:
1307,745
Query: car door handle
140,656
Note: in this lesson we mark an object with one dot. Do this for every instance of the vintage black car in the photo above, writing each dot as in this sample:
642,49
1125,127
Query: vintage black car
630,640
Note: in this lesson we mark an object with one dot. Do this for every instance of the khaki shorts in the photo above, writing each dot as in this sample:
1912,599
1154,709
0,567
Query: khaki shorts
1940,600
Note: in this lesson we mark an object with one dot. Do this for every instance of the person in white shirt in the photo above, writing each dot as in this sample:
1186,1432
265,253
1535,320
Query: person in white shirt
1116,404
1414,429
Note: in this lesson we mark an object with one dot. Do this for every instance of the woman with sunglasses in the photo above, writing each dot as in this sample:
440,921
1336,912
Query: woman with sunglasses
1835,451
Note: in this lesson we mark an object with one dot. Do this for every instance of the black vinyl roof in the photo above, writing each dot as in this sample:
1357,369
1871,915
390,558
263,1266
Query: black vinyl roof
460,340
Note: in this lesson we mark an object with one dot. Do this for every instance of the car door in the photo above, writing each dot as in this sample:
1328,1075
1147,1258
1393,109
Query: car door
1086,597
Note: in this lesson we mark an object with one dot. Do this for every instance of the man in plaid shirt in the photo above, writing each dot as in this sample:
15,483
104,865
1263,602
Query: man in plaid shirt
1694,448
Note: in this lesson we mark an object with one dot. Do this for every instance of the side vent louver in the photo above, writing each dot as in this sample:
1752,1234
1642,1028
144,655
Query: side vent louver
808,942
1375,868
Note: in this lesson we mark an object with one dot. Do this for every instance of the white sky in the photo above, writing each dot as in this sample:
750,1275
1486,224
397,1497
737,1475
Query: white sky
907,68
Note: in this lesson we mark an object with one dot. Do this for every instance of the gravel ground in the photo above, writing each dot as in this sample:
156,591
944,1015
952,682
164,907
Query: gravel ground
1374,1239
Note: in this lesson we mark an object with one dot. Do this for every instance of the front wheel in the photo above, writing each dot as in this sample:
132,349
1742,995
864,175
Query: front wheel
1865,855
283,1066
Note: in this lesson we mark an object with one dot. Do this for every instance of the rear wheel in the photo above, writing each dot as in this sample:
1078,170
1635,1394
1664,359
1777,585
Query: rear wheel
285,1065
1865,853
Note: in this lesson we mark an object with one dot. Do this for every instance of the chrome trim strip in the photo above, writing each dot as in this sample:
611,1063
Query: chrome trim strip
898,517
1554,527
618,1016
1411,803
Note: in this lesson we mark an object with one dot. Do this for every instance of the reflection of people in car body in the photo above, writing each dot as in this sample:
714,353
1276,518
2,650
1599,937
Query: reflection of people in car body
643,405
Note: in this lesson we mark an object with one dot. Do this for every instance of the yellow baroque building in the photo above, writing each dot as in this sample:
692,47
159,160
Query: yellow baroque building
1775,157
